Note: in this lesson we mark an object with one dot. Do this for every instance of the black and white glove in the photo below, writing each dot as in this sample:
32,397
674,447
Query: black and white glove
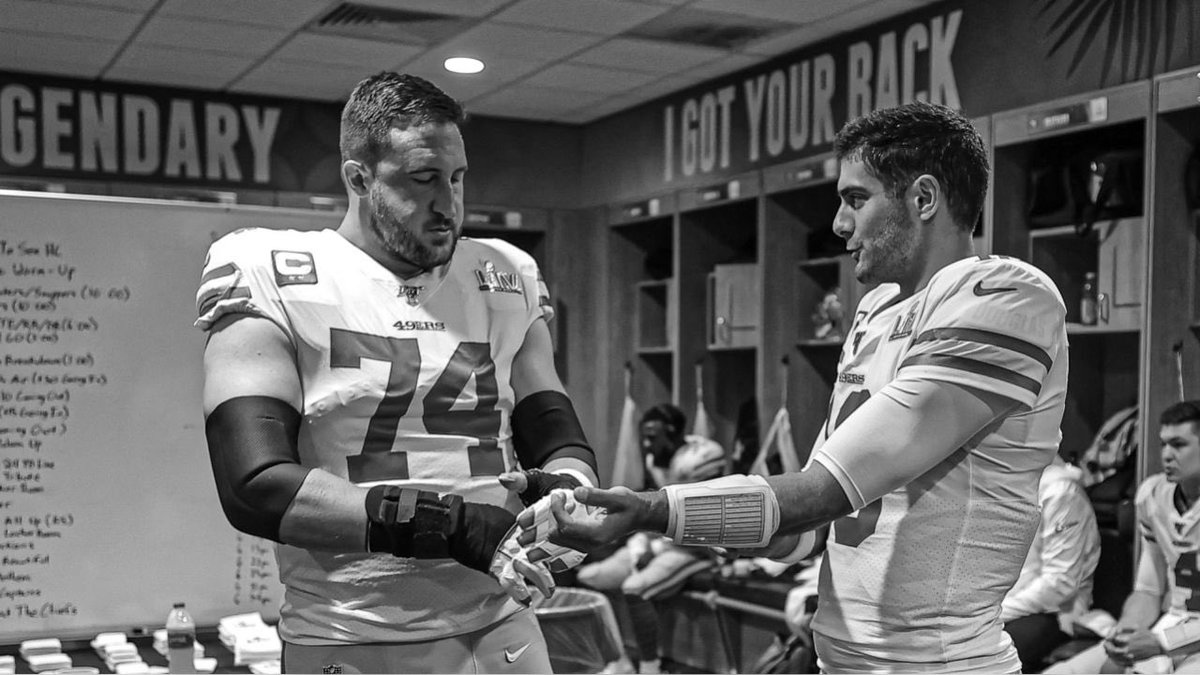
412,523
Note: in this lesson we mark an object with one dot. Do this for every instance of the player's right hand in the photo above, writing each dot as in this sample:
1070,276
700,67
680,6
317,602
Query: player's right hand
612,514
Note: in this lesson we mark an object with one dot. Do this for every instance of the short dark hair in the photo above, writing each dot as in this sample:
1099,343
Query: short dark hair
899,144
387,100
1180,413
669,415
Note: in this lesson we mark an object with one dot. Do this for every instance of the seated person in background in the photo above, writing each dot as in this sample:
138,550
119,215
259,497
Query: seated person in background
646,567
1055,585
1146,638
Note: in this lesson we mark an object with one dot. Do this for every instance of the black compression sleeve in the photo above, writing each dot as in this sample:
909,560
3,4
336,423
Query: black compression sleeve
545,427
252,446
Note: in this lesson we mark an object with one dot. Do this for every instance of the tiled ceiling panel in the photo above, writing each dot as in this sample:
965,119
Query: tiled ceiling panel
606,17
55,54
590,79
475,8
532,43
571,61
291,79
176,67
370,55
795,11
48,18
649,56
276,13
202,35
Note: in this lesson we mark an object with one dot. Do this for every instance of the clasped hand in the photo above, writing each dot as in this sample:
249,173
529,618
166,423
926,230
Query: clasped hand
1127,645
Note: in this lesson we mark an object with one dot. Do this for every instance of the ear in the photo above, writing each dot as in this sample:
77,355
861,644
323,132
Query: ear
356,176
927,196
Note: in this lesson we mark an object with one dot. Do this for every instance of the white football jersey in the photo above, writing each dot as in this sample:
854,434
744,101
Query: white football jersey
405,382
914,579
1172,537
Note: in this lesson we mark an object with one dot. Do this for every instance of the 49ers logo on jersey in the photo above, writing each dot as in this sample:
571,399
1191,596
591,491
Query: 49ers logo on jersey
293,267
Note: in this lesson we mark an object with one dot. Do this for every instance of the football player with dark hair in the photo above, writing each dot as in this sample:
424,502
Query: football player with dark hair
945,410
365,389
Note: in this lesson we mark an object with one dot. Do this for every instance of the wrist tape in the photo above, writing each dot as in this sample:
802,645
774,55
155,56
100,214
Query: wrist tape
733,511
411,523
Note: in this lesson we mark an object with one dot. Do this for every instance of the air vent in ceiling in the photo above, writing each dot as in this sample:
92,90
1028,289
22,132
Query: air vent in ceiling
709,29
385,23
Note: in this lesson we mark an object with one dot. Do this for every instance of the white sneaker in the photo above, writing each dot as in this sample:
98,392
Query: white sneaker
650,667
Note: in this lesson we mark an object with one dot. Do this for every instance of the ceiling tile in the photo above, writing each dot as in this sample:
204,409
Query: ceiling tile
792,40
456,7
286,14
71,56
530,102
533,44
301,80
868,13
132,5
712,70
176,67
805,11
605,17
56,19
589,78
648,55
201,35
368,54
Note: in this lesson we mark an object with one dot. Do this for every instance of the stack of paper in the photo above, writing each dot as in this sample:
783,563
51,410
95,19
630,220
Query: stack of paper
44,654
249,638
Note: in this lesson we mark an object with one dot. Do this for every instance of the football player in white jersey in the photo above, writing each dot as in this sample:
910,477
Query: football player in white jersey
946,408
1147,638
365,389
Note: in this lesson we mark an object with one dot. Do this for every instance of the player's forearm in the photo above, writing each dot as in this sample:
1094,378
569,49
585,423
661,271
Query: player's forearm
1140,611
806,501
328,513
809,499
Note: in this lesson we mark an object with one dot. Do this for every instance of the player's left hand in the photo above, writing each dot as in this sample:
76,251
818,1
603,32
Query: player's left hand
515,571
534,484
526,555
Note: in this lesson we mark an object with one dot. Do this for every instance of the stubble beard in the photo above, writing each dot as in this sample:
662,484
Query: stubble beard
401,243
892,250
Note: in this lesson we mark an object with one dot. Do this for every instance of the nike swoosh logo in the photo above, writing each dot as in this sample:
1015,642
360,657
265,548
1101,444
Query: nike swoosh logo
512,656
981,291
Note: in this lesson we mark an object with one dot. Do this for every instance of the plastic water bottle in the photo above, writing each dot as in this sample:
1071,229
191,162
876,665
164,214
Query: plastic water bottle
1089,300
181,640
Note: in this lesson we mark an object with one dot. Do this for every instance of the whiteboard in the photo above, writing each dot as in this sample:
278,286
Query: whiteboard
107,499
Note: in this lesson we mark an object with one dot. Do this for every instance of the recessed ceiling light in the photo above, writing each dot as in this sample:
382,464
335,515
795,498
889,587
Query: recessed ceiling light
463,64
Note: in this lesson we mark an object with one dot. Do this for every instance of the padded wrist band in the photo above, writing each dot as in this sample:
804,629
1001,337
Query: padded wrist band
734,511
252,447
411,523
545,427
1179,636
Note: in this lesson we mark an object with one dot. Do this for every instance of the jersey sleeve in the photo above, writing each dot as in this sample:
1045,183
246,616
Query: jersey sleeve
1144,505
537,294
1151,575
238,279
997,328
